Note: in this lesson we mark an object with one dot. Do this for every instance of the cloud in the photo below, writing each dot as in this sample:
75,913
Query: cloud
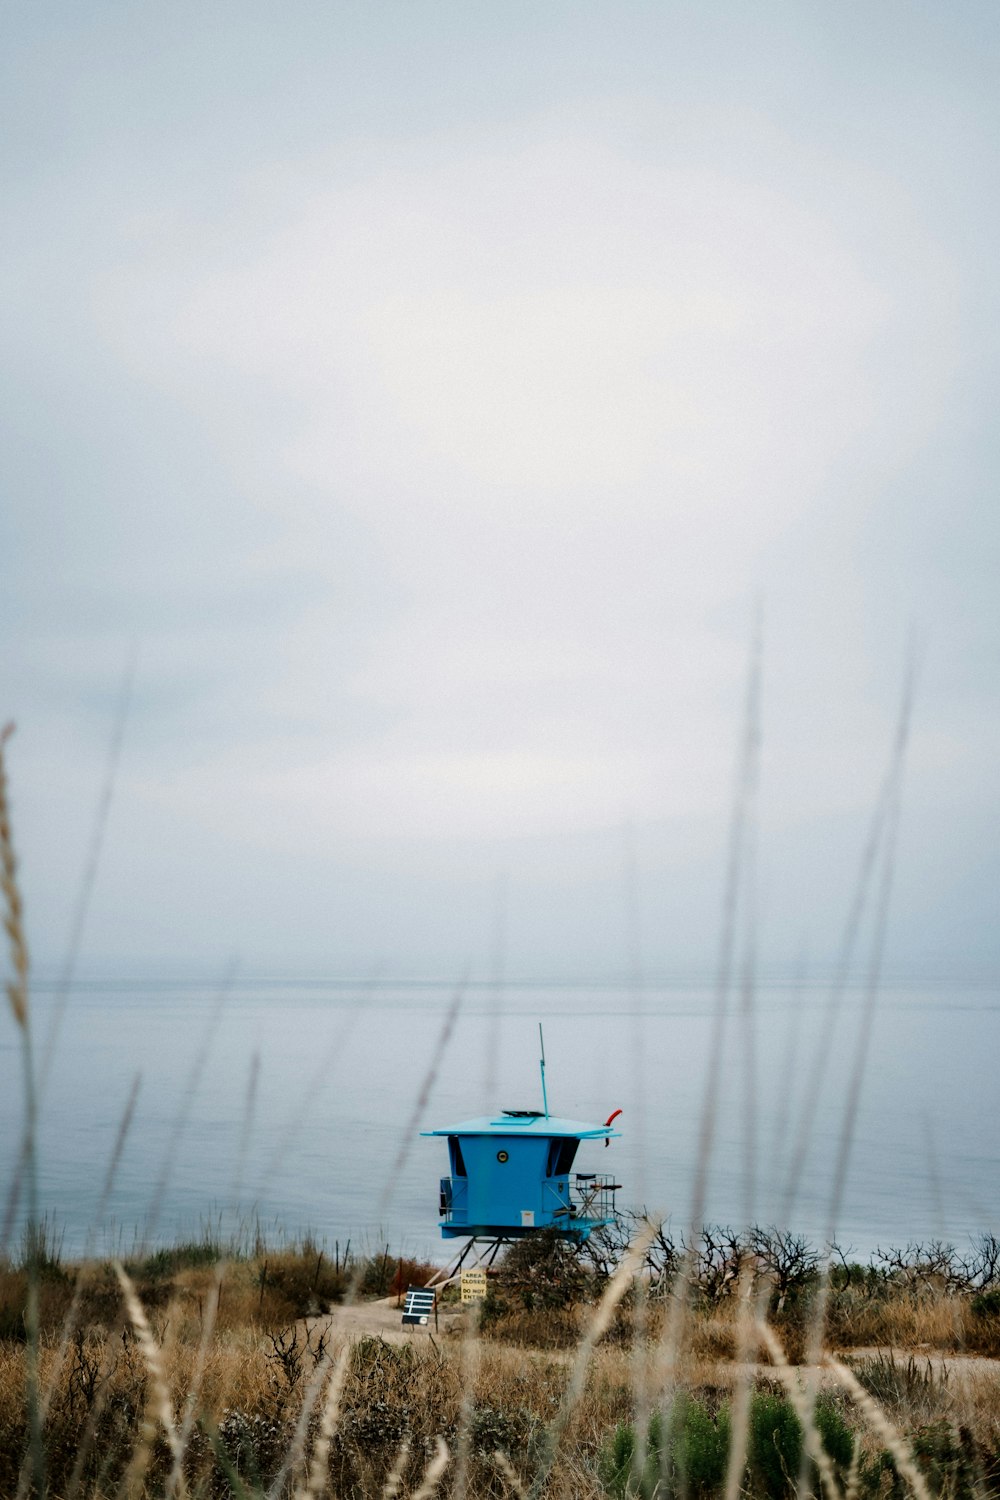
440,475
573,392
546,325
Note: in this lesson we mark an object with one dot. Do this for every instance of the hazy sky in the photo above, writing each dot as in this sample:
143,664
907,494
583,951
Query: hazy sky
425,395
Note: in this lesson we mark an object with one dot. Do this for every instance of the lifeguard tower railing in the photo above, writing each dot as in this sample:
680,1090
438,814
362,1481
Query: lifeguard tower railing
592,1198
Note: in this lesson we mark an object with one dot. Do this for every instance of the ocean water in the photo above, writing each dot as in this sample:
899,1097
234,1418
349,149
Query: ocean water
298,1105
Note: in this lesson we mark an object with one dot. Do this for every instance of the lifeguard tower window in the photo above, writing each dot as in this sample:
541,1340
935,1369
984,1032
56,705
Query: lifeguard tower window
457,1160
561,1154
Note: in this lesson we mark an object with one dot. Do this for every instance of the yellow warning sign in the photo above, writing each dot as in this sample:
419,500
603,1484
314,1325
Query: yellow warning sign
473,1285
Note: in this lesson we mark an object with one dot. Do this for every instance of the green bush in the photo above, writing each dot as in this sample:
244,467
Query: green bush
12,1325
952,1462
775,1442
617,1461
774,1445
986,1305
699,1447
692,1460
301,1282
372,1356
835,1435
162,1264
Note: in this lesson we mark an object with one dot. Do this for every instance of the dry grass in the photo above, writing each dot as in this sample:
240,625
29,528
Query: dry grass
947,1323
118,1400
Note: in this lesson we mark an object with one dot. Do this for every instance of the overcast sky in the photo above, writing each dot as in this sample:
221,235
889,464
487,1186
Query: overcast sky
425,396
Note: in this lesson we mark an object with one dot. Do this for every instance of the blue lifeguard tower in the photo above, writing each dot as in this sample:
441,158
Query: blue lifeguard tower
512,1173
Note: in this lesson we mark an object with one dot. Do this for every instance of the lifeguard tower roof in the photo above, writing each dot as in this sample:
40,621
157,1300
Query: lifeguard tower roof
527,1122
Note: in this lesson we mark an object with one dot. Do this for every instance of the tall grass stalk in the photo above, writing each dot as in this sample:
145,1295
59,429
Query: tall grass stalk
739,830
469,1364
394,1479
506,1468
422,1097
318,1468
294,1456
740,1412
198,1374
883,841
893,799
881,1424
88,879
746,784
880,836
182,1117
84,1271
17,994
159,1406
804,1403
320,1079
246,1130
641,1384
434,1472
597,1327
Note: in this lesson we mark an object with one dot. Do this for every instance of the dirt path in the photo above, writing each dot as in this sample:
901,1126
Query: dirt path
384,1320
958,1364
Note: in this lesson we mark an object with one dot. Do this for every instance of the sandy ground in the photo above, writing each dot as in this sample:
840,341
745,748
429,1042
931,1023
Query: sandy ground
384,1320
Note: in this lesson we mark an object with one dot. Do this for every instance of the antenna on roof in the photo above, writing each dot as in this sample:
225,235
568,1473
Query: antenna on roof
541,1042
